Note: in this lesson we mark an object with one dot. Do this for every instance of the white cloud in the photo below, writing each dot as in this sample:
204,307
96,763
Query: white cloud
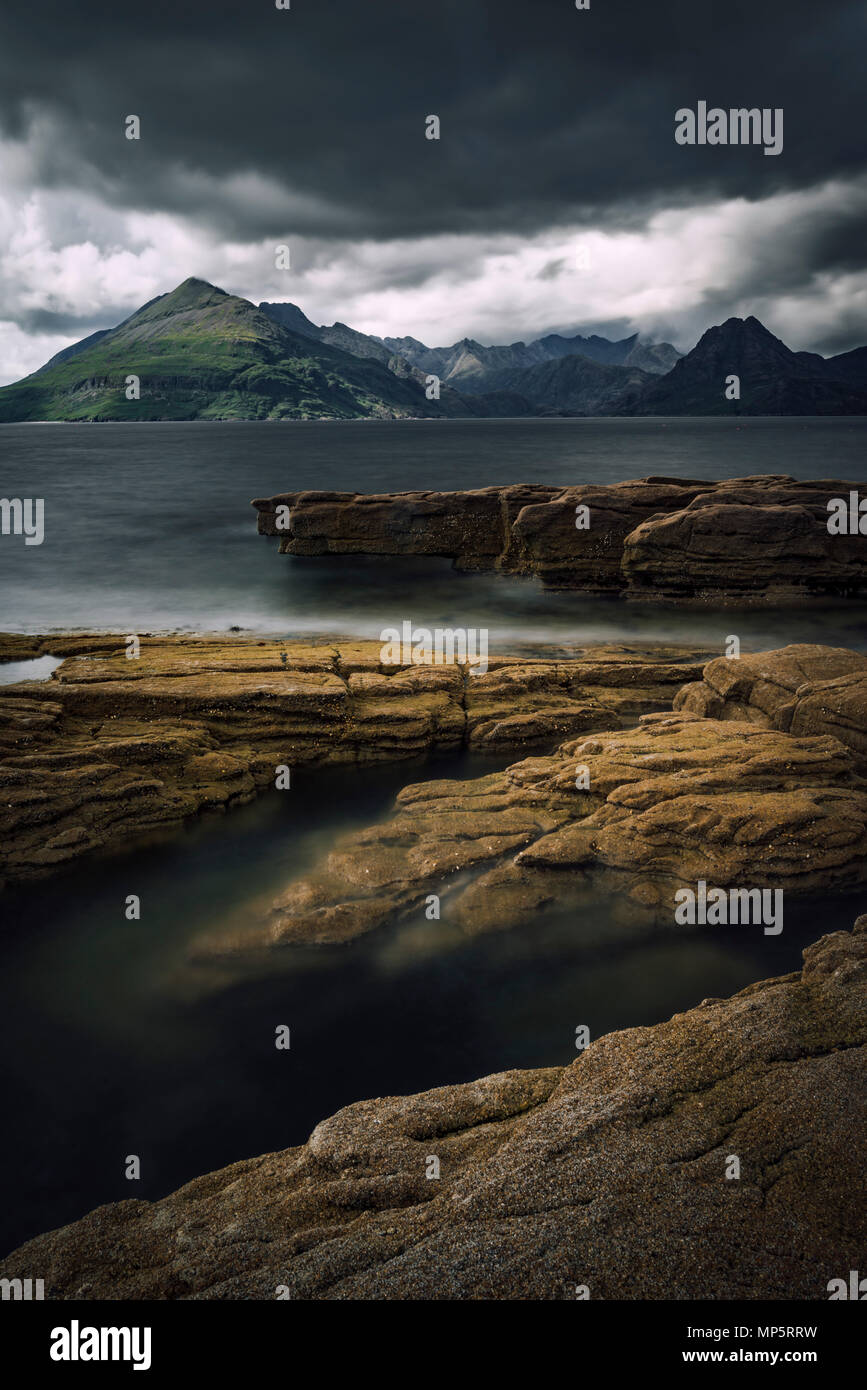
21,353
65,253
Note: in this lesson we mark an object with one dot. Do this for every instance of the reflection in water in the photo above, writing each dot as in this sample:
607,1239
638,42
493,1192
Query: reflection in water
37,668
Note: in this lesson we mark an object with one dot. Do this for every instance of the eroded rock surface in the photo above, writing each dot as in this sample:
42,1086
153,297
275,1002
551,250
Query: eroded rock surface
745,540
803,689
111,747
674,801
608,1173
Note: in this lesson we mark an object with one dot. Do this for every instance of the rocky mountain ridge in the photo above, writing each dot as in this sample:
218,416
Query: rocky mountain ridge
199,353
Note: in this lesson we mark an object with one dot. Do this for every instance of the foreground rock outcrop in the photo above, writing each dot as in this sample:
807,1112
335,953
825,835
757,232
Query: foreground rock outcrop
607,1175
742,541
769,792
800,689
110,748
677,800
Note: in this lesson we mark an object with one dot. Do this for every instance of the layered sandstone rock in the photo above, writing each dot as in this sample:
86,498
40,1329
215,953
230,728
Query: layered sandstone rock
802,689
749,538
741,541
676,800
607,1176
111,747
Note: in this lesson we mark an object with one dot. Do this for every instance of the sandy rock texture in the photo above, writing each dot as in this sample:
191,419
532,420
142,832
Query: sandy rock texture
110,748
801,689
741,541
608,1173
675,800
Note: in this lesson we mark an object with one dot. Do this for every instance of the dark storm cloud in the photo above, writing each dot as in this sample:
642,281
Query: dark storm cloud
829,240
48,321
548,114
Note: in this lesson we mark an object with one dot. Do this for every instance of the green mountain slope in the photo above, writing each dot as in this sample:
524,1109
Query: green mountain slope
200,353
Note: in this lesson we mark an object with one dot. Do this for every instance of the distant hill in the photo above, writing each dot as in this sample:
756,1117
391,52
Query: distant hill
474,368
773,379
202,354
573,385
338,335
849,366
471,367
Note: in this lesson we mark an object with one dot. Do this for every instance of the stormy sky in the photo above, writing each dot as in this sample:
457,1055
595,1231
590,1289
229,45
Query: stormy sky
556,199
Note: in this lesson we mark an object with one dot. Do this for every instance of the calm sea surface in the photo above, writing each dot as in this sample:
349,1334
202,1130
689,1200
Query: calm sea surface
119,1037
149,527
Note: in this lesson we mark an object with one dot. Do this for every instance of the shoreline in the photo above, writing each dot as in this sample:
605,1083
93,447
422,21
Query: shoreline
201,724
736,420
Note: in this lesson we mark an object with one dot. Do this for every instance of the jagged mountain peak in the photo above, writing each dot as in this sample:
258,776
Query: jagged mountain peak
290,316
191,293
739,367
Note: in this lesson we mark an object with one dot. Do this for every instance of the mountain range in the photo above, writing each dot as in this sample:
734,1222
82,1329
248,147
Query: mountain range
200,353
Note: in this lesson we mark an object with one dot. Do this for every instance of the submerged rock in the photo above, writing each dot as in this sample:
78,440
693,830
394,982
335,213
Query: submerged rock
676,800
611,1177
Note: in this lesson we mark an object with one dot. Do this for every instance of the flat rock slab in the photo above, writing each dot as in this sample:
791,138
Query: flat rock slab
112,747
676,800
741,541
606,1176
